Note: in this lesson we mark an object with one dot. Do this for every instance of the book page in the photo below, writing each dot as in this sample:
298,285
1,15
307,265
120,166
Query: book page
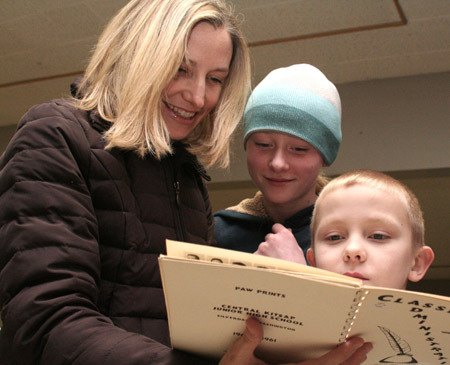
208,304
217,255
405,327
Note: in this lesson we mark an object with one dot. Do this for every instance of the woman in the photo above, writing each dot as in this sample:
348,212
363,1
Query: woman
292,129
92,187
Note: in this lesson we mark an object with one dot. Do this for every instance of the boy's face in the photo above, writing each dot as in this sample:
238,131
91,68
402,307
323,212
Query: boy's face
365,233
284,168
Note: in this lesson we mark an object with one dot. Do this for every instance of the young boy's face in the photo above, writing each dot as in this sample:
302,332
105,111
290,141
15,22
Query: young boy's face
284,168
365,233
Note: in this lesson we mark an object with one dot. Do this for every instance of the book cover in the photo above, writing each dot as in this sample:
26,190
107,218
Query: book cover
305,311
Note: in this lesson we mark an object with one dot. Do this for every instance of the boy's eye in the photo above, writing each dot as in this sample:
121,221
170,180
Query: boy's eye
379,236
334,237
262,144
298,149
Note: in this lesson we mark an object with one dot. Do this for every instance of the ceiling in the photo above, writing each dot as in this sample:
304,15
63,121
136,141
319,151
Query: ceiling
46,43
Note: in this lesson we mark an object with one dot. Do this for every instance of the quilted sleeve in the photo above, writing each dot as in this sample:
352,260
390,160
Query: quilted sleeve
49,256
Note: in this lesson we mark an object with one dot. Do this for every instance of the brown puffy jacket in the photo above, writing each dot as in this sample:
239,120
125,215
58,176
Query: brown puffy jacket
81,229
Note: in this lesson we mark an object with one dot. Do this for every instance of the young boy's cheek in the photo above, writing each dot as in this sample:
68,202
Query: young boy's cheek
325,256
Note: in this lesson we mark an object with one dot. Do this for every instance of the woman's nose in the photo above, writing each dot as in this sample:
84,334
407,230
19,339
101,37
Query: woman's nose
195,93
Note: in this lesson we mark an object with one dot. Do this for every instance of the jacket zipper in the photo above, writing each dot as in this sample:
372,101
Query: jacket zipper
176,186
179,229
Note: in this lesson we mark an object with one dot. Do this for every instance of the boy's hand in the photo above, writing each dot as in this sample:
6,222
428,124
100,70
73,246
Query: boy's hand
281,244
352,352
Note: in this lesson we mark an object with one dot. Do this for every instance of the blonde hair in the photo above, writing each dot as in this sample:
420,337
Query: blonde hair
321,181
137,55
383,182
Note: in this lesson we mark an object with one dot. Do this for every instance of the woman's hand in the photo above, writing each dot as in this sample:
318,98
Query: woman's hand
352,352
241,351
281,244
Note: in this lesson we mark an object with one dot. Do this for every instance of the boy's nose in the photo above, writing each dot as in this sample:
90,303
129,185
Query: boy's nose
354,252
278,161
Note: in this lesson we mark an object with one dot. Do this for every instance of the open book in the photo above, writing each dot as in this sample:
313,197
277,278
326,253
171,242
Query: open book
305,311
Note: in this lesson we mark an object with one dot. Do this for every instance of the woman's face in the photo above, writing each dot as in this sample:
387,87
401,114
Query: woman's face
195,90
284,168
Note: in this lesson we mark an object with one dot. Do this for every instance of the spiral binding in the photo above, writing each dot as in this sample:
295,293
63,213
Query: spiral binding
353,313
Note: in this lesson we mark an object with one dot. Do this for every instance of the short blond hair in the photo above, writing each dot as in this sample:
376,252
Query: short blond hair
137,55
383,182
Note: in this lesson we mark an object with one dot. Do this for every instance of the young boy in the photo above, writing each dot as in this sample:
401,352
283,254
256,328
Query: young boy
368,225
292,129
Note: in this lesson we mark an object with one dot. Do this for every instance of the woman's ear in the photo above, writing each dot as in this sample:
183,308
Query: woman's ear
422,261
310,257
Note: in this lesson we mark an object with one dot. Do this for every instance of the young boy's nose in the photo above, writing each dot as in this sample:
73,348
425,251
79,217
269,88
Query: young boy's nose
354,251
278,161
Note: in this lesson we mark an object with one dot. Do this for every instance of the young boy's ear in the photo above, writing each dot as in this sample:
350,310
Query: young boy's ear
422,261
310,257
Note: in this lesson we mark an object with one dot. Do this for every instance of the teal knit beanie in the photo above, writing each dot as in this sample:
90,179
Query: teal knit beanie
298,100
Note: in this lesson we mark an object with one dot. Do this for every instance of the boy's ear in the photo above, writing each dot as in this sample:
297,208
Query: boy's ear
310,257
422,261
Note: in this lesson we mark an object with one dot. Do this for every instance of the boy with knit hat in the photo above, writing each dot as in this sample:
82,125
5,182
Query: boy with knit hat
292,128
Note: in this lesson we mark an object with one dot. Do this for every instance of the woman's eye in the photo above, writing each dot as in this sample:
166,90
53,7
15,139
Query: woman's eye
182,70
217,80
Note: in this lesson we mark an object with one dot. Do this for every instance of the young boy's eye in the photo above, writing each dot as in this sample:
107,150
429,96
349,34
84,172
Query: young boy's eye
299,149
334,237
379,236
262,144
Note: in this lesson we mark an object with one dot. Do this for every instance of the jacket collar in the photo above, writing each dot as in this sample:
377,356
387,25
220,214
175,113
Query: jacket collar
255,207
252,206
179,148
